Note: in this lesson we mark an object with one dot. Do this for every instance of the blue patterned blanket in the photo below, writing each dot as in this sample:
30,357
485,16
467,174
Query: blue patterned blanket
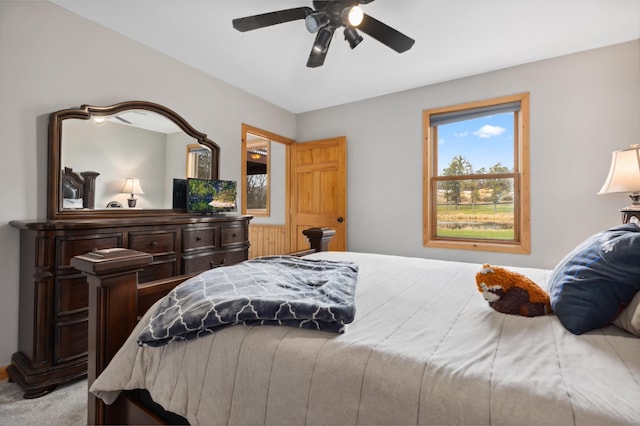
274,290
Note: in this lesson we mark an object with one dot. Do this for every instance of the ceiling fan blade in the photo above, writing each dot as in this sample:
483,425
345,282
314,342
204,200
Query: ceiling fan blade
385,34
254,22
123,120
317,56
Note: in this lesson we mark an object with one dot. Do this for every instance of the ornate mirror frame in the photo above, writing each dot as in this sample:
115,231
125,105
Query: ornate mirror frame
55,208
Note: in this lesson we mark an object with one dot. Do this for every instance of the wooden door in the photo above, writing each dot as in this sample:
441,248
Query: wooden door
319,190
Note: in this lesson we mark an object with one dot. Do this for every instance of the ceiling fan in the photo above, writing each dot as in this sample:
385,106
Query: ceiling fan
325,17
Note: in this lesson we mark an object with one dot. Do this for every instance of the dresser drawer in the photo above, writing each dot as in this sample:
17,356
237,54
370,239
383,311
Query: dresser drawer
228,258
208,260
158,270
230,235
160,242
68,247
71,340
197,262
71,294
199,238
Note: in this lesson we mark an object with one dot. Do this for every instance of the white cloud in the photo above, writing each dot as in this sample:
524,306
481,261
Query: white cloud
440,141
488,131
461,134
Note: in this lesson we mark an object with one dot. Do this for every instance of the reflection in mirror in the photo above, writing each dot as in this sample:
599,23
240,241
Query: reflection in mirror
134,139
139,144
198,161
257,178
265,159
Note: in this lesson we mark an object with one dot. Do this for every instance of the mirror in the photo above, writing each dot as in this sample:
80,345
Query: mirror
122,160
257,193
265,159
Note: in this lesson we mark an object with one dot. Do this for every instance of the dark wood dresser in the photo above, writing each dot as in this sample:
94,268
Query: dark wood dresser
52,343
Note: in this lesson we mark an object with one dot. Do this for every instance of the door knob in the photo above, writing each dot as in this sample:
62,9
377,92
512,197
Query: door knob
340,219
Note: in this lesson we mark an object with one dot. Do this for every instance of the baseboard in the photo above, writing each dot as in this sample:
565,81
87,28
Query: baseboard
3,372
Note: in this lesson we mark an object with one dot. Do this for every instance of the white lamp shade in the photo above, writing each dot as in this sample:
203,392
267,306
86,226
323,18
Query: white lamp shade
132,186
624,175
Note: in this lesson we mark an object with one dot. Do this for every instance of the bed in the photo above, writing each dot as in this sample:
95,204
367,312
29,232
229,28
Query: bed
424,348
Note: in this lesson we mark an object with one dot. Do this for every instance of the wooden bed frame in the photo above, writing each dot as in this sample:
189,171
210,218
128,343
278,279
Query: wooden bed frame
116,303
79,186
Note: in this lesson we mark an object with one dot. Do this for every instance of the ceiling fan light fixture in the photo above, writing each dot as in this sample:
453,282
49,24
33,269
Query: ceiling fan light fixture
324,19
352,36
315,21
322,40
352,16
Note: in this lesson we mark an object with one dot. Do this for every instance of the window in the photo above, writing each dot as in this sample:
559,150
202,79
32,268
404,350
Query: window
476,176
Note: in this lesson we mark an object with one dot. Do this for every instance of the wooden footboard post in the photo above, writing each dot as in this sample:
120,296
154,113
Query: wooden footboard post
112,275
319,238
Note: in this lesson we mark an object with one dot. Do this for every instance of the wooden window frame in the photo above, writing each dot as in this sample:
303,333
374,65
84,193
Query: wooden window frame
521,244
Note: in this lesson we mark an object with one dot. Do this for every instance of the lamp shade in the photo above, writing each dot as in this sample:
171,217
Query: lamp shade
624,174
132,186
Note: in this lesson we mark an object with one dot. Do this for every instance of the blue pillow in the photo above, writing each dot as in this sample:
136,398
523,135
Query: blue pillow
594,282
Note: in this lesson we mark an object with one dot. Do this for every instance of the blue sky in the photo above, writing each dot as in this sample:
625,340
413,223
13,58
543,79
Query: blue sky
483,141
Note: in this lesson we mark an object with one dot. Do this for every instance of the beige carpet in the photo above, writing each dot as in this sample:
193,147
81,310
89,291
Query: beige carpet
67,405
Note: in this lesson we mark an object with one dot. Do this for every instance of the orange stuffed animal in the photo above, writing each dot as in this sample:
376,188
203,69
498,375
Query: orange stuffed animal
512,293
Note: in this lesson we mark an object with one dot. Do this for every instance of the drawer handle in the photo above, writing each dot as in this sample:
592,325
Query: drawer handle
198,238
233,235
154,244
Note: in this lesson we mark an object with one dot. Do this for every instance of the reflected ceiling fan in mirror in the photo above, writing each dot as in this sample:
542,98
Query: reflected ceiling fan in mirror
325,17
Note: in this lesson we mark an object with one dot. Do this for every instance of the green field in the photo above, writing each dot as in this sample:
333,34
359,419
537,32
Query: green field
452,221
475,234
480,209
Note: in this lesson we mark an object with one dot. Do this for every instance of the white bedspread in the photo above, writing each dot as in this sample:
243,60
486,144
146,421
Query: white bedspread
425,348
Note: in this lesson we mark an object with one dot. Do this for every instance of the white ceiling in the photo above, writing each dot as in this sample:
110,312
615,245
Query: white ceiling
454,38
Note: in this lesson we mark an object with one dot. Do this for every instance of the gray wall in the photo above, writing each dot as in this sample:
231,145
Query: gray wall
583,107
51,60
